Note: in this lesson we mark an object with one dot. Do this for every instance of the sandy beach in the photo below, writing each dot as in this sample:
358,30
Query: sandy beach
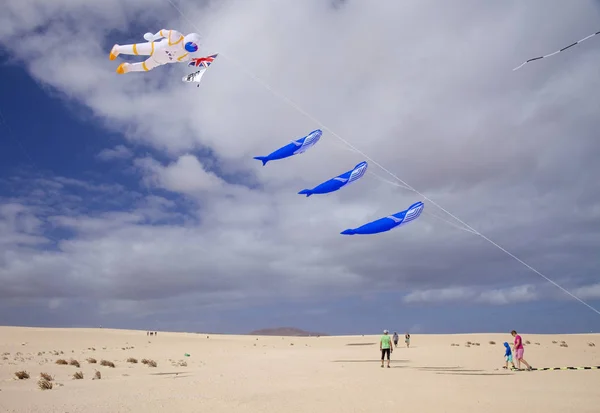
223,373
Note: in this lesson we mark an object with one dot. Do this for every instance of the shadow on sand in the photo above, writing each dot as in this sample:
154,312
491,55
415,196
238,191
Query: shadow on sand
368,361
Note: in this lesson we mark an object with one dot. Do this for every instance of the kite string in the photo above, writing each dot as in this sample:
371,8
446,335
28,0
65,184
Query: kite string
556,52
323,126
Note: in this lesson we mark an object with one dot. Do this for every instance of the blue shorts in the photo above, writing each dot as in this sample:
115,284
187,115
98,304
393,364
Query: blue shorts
509,358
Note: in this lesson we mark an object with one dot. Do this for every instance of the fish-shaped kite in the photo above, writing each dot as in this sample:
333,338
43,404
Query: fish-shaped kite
296,147
339,181
389,222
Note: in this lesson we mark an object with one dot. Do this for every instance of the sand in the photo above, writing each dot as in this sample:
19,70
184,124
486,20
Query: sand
292,374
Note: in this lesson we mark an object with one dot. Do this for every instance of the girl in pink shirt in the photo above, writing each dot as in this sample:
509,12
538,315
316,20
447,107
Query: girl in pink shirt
519,350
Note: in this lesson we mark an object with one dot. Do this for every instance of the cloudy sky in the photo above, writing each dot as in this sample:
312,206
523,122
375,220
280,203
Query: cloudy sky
134,202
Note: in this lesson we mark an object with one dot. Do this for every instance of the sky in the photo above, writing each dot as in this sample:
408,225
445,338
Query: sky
133,201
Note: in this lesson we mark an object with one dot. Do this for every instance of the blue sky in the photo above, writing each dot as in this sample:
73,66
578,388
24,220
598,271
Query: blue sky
134,202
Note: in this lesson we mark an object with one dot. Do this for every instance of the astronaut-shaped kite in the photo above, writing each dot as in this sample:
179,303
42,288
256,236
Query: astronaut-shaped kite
173,48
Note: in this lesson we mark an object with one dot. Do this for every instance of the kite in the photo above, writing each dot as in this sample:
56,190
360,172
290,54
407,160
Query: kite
339,181
173,48
204,62
295,148
557,52
389,222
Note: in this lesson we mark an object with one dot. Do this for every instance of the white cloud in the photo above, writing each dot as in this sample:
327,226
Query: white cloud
518,294
456,294
588,292
118,152
186,175
471,295
456,122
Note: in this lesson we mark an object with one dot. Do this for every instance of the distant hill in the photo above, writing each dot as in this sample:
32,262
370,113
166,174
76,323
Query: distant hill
285,331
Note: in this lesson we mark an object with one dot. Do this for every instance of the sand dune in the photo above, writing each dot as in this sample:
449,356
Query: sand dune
295,374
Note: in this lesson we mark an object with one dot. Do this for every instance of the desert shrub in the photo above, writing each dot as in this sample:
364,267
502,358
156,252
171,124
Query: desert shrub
152,363
492,343
22,375
107,363
46,376
183,363
554,341
145,361
74,363
564,345
132,360
78,375
98,375
591,344
527,342
45,384
91,360
62,362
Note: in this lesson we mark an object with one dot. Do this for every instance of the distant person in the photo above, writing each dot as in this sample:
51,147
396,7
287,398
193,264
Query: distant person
407,340
508,356
519,350
395,339
385,346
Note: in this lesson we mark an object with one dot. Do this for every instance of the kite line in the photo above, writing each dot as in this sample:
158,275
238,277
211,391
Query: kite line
557,52
562,368
295,106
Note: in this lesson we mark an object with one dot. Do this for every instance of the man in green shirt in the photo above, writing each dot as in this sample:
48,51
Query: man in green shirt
385,346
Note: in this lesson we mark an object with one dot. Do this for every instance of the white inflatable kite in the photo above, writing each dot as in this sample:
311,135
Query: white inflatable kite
173,48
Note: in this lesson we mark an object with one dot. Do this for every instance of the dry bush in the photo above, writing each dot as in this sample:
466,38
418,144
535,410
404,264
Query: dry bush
6,354
46,376
477,344
527,342
591,344
132,360
78,375
107,363
537,344
62,362
40,353
151,363
145,361
21,375
492,343
554,341
4,358
183,363
45,384
74,363
91,360
97,376
564,345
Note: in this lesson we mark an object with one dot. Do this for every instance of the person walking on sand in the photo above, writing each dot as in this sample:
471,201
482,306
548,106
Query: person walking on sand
407,340
519,350
508,356
395,339
385,346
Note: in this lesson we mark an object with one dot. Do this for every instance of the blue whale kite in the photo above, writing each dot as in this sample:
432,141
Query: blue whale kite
389,222
296,147
339,181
